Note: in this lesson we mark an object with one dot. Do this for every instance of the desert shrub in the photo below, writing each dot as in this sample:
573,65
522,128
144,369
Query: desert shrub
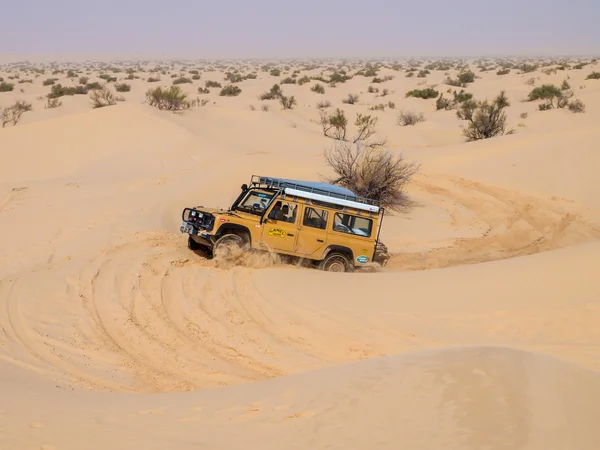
102,97
59,90
334,125
528,68
423,73
593,76
372,90
406,118
365,129
230,91
122,87
83,80
550,94
324,104
565,86
52,103
233,77
153,80
172,99
202,90
49,81
351,99
503,72
12,114
423,93
318,88
338,77
182,80
275,72
272,94
288,80
92,86
466,77
485,120
287,102
303,80
6,87
410,74
576,106
212,84
373,173
107,78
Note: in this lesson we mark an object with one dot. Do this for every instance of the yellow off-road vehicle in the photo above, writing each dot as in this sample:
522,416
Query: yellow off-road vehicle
327,225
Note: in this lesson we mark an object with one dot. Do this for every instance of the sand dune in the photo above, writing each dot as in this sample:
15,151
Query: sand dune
480,333
459,398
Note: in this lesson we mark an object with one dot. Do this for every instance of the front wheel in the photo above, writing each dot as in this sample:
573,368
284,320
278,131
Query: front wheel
336,262
229,249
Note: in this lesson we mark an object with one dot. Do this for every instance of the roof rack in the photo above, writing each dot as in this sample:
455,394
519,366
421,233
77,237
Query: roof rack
319,191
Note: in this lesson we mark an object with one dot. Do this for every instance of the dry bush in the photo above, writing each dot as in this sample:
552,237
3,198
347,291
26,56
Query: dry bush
365,127
287,102
373,173
324,104
122,87
406,118
318,88
172,99
486,120
334,125
52,103
102,97
351,99
12,114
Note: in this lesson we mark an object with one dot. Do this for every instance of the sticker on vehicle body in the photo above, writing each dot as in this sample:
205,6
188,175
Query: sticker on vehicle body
277,232
362,259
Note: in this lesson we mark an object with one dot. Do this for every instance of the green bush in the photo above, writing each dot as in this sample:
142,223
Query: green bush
172,99
423,93
593,76
122,87
230,91
6,87
318,88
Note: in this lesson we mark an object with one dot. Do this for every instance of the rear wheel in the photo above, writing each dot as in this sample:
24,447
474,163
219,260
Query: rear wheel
336,262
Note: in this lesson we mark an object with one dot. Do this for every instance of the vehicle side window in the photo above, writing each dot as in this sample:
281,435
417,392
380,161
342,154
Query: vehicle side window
284,211
347,223
315,218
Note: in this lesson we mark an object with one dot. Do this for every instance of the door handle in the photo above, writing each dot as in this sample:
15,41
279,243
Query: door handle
320,240
290,234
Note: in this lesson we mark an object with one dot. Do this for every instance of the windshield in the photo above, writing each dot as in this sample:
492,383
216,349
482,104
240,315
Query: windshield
255,202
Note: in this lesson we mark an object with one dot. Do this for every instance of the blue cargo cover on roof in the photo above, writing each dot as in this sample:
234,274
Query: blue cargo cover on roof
323,186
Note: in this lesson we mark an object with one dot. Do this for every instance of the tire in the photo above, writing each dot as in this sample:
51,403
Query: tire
228,249
193,245
336,262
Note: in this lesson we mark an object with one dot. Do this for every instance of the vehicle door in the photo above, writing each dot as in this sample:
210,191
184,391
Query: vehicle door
280,226
312,231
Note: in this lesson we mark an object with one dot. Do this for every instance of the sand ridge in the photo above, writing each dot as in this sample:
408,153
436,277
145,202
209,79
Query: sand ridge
126,338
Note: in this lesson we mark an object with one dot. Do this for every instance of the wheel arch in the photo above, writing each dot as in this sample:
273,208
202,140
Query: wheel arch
234,228
339,249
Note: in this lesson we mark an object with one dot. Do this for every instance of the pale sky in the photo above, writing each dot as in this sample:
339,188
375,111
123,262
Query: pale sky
301,28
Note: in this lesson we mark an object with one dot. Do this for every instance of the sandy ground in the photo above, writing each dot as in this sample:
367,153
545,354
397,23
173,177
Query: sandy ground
482,332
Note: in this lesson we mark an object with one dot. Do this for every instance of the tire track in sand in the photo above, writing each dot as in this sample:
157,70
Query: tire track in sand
516,224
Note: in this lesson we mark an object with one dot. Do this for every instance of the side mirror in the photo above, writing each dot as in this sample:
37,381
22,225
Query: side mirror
244,187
